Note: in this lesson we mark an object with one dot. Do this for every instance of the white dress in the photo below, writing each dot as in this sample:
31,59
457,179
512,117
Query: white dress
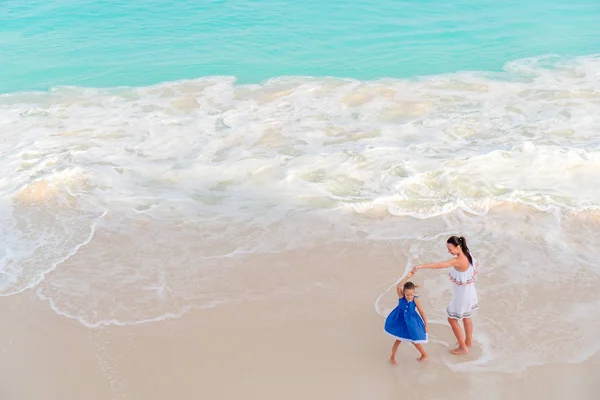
464,296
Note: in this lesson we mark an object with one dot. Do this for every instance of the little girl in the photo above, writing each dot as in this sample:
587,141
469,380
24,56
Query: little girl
404,323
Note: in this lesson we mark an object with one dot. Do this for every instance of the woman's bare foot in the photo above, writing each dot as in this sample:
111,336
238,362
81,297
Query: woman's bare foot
393,361
459,350
422,358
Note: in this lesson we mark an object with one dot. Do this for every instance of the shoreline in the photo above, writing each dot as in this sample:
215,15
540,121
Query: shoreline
325,340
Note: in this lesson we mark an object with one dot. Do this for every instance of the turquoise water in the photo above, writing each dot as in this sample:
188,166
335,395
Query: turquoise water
113,43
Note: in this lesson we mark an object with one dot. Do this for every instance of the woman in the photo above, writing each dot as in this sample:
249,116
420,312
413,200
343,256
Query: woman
464,296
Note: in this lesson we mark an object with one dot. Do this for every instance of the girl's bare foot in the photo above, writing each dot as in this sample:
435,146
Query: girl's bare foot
423,358
459,350
393,361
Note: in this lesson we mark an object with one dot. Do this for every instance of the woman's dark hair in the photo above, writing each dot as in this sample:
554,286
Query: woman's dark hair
408,286
462,243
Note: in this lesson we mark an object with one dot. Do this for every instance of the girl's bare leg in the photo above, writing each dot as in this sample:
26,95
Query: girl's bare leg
468,323
424,355
458,332
394,350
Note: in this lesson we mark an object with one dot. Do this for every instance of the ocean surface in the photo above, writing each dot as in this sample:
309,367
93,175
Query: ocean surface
105,43
148,147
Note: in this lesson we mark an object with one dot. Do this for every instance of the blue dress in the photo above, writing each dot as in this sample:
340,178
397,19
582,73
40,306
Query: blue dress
404,323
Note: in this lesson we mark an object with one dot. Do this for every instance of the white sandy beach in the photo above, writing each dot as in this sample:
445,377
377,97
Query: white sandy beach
324,341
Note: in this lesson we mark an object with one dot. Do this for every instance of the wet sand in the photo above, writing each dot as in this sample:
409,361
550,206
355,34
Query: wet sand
324,341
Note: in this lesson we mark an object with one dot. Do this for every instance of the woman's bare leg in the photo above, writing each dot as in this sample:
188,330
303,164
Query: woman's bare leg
458,332
468,323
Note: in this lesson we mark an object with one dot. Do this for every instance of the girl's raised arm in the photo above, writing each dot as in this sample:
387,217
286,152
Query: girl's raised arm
400,285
